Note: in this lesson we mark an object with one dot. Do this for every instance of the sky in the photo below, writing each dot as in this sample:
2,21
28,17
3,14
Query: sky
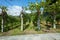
15,6
16,2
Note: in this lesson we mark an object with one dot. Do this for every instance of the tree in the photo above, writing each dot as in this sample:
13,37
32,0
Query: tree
53,9
21,19
36,7
3,14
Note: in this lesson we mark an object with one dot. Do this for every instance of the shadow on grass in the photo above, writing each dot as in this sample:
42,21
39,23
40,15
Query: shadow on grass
10,28
26,26
58,26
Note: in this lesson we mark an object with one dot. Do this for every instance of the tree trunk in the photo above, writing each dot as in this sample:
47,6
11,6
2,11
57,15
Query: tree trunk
38,23
38,20
2,26
54,20
54,24
21,22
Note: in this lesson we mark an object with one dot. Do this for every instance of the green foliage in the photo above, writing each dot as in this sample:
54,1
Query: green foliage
49,19
35,19
58,17
25,18
4,8
10,22
34,6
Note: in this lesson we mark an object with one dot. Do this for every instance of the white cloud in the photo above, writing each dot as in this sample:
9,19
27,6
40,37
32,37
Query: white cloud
14,10
28,11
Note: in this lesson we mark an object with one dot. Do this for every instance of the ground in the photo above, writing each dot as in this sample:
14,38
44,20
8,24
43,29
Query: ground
48,36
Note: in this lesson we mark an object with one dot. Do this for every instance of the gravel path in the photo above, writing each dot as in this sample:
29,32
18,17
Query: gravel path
49,36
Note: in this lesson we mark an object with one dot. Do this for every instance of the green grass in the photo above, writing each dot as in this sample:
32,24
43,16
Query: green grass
12,32
29,30
17,31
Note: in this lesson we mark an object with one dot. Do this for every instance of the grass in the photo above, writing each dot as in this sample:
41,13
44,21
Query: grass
29,30
17,31
12,32
58,30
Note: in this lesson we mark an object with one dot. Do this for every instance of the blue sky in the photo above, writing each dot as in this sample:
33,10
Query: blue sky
16,2
15,6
